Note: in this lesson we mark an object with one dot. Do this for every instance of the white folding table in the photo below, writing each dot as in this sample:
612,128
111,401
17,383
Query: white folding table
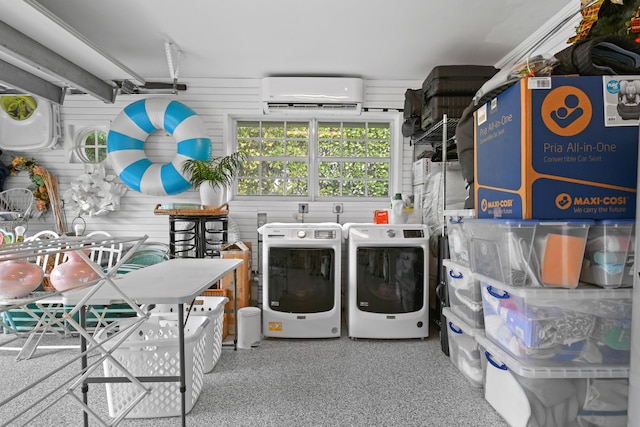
176,281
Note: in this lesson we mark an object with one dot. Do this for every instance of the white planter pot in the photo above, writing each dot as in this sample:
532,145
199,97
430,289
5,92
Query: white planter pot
210,196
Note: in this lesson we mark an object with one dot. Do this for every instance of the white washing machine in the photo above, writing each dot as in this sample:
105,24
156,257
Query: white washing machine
301,280
388,276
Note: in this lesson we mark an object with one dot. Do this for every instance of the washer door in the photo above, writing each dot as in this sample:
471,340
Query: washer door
301,280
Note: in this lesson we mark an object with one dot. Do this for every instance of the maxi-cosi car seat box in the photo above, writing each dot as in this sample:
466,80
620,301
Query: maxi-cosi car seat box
559,147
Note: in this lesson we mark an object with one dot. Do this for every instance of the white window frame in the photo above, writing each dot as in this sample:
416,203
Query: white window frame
394,119
75,135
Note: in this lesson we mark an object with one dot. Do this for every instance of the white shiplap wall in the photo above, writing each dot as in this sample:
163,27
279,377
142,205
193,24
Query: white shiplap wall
211,99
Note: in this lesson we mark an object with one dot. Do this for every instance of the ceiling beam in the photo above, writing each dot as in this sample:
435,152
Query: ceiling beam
19,79
28,51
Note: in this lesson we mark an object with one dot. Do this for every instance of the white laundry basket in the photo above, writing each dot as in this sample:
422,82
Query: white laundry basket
213,308
153,349
248,327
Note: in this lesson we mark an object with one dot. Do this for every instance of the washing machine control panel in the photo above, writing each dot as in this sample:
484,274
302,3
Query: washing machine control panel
387,231
317,234
413,233
406,233
302,233
325,234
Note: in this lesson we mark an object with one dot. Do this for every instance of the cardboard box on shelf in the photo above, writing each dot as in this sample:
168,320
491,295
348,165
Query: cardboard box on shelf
201,300
561,147
238,250
421,169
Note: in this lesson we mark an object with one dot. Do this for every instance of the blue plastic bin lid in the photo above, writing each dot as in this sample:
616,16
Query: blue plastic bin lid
533,222
506,221
569,222
615,222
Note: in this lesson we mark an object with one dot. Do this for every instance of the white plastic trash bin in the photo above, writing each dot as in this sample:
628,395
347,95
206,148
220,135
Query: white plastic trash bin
248,327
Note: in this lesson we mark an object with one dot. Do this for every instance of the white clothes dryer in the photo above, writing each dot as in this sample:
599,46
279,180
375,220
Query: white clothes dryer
387,280
301,265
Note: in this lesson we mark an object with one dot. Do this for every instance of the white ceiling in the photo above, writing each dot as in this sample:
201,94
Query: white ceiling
373,39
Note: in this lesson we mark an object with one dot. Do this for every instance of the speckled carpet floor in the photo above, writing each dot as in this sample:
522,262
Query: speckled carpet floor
330,382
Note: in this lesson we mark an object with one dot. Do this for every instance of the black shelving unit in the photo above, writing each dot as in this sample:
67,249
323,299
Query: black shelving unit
197,236
439,136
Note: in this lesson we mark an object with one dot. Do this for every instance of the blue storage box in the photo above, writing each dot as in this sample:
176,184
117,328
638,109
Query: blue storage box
557,148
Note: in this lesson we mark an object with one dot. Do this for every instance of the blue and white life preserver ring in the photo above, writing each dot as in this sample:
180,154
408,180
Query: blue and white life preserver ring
130,129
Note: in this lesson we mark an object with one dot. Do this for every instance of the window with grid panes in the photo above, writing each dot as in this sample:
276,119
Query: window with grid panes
314,159
92,145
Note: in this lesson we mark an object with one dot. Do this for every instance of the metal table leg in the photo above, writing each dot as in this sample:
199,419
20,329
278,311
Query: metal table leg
83,364
183,383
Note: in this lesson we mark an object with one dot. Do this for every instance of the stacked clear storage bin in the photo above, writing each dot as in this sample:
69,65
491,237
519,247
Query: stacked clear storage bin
464,351
528,253
465,297
553,394
464,318
551,317
588,324
609,254
457,237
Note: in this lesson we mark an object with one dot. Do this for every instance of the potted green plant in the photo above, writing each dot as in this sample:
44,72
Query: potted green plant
213,177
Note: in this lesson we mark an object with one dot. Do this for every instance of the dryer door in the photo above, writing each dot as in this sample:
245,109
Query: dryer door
390,280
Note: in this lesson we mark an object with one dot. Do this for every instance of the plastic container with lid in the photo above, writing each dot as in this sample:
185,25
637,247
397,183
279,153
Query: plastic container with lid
585,325
609,254
548,394
457,236
465,296
464,351
529,253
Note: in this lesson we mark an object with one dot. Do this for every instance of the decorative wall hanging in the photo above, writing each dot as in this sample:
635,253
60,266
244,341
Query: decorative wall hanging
94,193
38,175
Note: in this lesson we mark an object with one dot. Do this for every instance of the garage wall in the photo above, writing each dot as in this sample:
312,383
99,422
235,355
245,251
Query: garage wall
211,99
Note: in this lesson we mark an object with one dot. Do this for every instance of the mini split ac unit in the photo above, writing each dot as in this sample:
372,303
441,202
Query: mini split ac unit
329,95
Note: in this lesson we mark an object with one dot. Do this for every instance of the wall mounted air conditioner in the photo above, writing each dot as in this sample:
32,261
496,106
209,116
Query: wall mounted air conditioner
327,95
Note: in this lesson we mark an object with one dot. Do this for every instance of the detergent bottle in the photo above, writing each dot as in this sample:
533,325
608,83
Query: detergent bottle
397,215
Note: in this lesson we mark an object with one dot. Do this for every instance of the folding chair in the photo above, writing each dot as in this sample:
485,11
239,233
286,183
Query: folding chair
16,204
148,253
16,207
106,256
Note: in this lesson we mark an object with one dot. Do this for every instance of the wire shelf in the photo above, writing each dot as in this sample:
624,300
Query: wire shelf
436,132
